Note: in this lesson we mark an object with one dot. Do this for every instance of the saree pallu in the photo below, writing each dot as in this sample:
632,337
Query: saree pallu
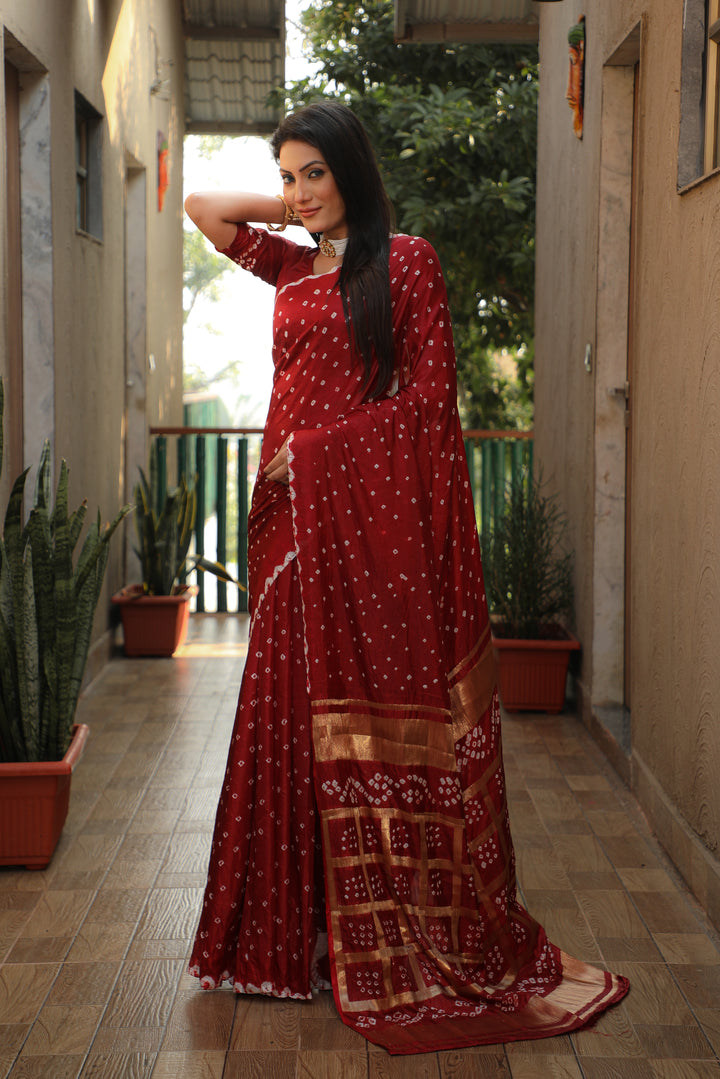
370,573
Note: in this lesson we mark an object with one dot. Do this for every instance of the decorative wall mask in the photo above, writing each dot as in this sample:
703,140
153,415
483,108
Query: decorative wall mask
576,79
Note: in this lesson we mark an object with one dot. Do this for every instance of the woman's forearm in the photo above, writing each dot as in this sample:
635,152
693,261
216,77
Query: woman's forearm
217,213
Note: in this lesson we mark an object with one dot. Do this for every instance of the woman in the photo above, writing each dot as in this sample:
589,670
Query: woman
364,793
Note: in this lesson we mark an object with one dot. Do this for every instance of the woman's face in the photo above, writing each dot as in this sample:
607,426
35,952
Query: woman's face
310,188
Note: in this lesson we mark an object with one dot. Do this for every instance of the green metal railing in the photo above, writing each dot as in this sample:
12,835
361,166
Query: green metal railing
496,459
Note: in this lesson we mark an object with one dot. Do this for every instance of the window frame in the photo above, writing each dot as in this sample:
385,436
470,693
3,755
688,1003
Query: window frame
88,168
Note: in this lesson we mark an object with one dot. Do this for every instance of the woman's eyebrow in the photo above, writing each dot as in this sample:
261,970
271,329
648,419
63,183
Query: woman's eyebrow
315,161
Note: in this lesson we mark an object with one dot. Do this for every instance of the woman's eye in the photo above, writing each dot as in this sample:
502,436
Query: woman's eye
286,179
315,174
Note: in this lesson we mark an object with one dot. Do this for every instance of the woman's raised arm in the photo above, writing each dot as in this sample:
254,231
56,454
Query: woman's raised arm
217,213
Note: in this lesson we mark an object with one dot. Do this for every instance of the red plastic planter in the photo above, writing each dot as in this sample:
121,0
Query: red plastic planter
532,674
154,625
34,799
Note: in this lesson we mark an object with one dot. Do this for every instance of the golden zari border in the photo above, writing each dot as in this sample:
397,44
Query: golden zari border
472,685
415,743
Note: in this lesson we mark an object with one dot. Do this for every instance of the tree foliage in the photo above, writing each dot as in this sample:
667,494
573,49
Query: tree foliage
454,129
202,270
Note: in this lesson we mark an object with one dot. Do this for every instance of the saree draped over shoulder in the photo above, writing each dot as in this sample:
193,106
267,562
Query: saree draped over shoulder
366,757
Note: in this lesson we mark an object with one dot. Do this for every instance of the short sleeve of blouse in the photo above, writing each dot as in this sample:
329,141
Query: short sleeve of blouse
262,253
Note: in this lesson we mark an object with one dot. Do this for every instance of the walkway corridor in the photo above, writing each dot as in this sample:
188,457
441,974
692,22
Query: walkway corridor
94,948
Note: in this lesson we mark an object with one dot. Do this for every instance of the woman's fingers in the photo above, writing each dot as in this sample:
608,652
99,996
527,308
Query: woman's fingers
277,469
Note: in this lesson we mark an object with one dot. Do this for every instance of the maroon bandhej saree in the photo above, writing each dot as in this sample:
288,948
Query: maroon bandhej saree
368,728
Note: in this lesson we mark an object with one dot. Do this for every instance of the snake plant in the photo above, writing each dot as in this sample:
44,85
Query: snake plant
164,539
47,607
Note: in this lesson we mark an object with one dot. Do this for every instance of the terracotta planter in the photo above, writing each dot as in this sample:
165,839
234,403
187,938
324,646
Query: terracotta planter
154,625
532,674
34,799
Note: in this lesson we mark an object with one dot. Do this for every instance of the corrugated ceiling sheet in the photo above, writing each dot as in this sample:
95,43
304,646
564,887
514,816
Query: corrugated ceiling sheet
469,10
234,56
465,19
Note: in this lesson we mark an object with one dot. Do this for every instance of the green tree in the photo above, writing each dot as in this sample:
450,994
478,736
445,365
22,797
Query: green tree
202,270
454,129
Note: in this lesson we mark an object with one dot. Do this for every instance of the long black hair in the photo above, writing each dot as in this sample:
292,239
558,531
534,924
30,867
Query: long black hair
364,279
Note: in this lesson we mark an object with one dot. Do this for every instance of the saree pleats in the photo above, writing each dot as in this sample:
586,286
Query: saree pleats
259,921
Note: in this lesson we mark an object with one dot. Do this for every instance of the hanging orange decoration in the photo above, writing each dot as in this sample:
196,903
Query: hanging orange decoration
576,79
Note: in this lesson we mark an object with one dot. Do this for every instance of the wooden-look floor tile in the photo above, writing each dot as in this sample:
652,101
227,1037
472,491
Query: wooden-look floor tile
151,822
592,782
611,914
581,853
143,994
607,1068
23,989
265,1023
329,1033
84,983
665,912
418,1066
118,1066
116,803
202,1064
605,823
58,914
200,1021
63,1067
548,1067
12,1037
646,880
603,881
101,941
170,914
112,905
112,1042
700,983
259,1064
612,1035
557,803
654,997
630,852
539,869
660,1042
688,948
684,1069
39,950
63,1031
709,1021
540,1048
331,1064
470,1065
629,950
188,852
568,928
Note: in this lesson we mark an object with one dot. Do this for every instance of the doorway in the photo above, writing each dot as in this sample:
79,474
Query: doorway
612,612
135,424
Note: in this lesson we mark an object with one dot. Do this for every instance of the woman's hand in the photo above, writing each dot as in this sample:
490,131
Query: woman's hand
277,469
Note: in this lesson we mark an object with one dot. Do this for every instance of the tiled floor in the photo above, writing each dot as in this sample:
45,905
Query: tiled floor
93,980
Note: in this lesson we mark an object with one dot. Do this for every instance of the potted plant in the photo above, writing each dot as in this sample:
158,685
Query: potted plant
528,577
47,606
155,613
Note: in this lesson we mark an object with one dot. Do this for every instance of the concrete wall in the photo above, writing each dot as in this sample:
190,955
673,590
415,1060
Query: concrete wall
98,313
593,225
